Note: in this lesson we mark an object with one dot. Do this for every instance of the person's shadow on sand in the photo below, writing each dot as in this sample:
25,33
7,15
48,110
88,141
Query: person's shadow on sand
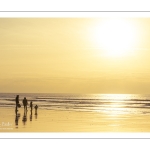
31,116
17,118
24,118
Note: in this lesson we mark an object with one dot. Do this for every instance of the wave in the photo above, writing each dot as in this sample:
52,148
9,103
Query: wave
79,102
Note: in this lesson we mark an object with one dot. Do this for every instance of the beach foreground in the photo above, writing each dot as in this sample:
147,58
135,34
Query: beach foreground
71,121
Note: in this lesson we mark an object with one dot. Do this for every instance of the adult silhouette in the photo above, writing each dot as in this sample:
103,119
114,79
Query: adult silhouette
31,106
17,103
25,103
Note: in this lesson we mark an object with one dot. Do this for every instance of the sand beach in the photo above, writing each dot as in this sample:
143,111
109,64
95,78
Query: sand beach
71,121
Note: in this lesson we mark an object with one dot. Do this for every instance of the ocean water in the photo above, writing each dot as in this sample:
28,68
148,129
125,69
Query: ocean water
107,103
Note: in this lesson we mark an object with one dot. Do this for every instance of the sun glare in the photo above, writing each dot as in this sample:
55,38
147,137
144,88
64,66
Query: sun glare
115,37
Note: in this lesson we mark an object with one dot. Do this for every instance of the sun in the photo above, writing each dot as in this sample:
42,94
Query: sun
115,37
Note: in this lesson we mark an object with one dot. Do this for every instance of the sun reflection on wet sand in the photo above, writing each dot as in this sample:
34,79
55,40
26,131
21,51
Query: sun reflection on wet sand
107,113
76,121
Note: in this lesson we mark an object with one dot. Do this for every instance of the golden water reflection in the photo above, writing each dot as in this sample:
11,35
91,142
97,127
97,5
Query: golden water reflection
115,104
116,96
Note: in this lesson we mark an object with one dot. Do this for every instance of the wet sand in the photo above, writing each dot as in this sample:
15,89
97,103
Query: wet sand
71,121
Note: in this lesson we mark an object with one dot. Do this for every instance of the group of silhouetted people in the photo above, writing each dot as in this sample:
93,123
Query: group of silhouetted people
25,103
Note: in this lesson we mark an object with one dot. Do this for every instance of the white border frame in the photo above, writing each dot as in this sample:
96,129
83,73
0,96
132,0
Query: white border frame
74,15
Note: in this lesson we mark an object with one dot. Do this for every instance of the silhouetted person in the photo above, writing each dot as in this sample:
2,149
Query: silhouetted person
36,107
16,110
17,99
31,106
17,103
25,103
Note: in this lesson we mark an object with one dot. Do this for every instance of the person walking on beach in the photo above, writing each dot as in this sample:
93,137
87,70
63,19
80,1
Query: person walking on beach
31,105
17,103
25,103
36,107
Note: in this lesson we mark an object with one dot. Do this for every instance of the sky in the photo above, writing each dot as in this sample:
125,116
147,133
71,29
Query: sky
75,55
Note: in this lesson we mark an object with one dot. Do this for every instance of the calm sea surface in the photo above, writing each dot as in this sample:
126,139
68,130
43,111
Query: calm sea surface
119,103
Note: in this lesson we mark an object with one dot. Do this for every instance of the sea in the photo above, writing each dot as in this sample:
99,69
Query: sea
106,103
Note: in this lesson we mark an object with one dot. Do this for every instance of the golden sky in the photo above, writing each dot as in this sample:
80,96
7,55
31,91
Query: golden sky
75,55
